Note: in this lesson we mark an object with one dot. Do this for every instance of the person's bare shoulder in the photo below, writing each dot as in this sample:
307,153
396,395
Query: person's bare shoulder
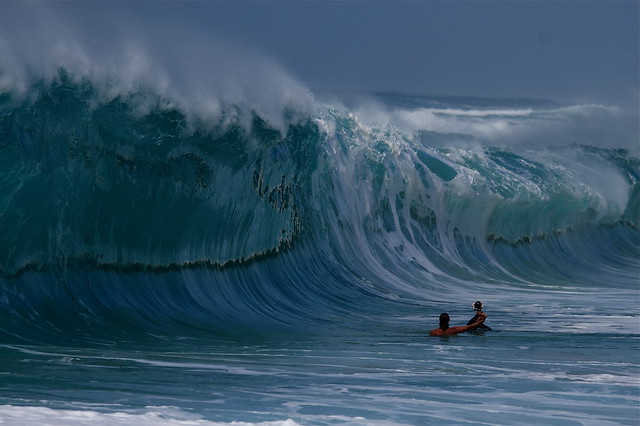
448,332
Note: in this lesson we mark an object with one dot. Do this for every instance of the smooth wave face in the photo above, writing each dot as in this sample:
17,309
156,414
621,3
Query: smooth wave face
127,209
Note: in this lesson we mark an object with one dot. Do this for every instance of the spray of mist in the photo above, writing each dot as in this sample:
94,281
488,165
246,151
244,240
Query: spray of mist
208,79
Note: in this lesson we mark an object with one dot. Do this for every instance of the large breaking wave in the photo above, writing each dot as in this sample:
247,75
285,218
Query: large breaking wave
128,203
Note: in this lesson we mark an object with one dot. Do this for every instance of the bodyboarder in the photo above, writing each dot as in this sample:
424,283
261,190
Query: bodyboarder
477,306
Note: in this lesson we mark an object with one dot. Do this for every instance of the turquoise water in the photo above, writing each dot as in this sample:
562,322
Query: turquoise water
551,364
160,268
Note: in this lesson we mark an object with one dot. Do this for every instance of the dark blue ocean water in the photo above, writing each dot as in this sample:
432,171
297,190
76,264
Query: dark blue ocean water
159,265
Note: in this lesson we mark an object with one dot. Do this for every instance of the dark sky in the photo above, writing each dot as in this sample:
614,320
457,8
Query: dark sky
578,51
560,49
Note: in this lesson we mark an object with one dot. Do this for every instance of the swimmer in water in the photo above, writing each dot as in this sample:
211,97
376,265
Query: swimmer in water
445,330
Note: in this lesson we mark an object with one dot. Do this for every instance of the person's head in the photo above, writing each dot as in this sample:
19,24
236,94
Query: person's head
477,306
444,320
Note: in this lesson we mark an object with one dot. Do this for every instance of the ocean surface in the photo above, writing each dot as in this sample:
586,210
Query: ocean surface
184,259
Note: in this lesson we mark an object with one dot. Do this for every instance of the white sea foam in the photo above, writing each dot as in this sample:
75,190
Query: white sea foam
517,127
589,124
208,79
21,415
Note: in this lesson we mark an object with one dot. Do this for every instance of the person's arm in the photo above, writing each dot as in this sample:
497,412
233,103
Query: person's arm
473,320
481,317
456,330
